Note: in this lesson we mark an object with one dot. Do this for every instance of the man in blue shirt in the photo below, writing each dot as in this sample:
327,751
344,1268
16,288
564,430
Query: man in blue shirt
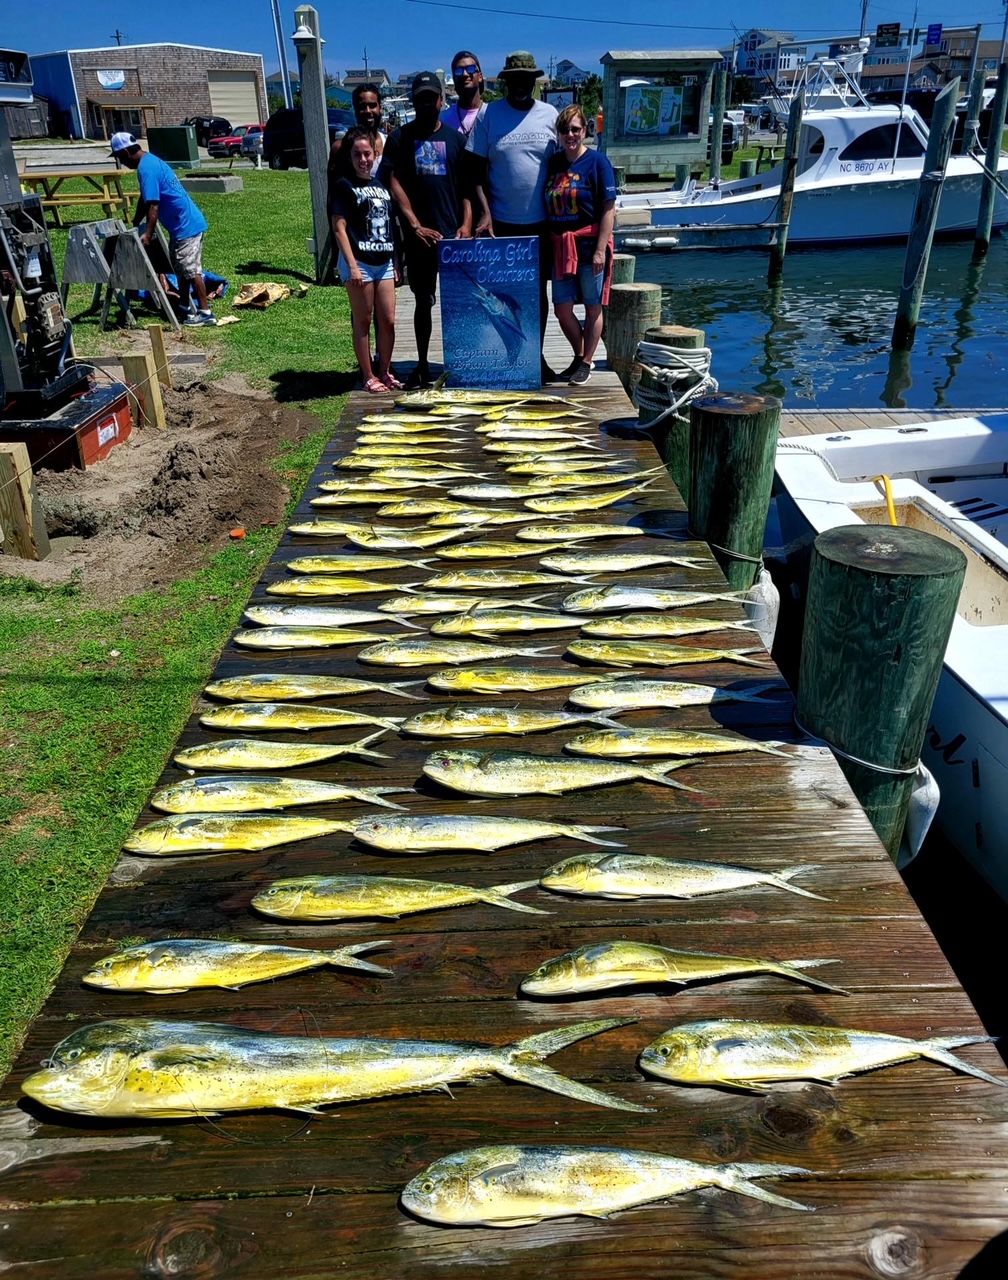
166,202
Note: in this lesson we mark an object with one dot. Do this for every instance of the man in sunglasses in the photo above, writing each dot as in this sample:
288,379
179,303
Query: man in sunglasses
467,76
511,144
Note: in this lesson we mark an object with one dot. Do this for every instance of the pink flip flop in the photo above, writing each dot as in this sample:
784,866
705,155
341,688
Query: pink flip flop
375,386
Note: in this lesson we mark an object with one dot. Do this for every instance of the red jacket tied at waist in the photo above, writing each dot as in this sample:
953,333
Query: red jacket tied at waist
565,255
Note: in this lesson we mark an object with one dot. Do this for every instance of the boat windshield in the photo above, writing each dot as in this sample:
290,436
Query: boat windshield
880,143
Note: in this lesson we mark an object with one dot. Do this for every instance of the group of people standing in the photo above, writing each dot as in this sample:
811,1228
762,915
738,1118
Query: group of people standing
511,167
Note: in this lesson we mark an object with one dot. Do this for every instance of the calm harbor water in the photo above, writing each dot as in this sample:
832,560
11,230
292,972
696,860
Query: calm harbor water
821,339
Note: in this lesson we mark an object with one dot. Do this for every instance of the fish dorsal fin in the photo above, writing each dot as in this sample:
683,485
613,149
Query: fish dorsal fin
595,951
484,761
611,862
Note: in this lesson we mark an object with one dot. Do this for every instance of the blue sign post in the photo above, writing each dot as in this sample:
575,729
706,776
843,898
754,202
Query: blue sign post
490,312
934,35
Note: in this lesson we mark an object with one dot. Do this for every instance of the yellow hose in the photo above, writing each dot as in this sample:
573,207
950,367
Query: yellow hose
886,484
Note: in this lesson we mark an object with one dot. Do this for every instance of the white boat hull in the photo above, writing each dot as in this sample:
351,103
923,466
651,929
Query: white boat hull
966,745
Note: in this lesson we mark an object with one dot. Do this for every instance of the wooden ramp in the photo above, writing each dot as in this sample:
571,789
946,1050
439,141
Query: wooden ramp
906,1165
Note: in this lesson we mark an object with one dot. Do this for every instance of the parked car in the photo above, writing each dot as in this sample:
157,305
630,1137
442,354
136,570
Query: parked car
284,140
731,137
252,143
230,144
207,127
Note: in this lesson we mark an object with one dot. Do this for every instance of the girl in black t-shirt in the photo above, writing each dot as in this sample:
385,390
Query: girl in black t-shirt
361,215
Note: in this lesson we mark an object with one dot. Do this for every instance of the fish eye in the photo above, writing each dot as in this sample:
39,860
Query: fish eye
427,1186
72,1055
665,1051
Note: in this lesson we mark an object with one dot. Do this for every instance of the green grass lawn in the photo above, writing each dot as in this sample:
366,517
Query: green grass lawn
94,697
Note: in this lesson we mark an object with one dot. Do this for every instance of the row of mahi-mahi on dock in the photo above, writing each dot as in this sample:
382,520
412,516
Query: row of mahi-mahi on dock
555,469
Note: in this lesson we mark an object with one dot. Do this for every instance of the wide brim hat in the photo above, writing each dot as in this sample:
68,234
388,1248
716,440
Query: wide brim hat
521,62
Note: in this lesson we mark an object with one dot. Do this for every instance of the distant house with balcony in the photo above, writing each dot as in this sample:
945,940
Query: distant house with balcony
567,72
762,54
361,75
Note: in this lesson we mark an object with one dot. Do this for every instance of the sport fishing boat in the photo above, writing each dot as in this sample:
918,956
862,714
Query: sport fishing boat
856,183
950,479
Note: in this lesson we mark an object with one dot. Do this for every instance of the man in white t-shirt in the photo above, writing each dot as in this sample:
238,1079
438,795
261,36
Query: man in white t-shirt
511,143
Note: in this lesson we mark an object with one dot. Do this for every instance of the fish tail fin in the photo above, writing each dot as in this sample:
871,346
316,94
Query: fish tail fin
771,749
609,721
441,380
408,586
796,969
740,655
546,1043
360,747
398,686
346,957
937,1049
500,896
738,1177
659,774
578,832
783,878
543,1077
405,622
539,650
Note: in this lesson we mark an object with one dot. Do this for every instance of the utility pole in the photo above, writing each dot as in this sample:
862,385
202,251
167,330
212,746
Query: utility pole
1004,35
864,16
119,36
282,55
367,72
308,42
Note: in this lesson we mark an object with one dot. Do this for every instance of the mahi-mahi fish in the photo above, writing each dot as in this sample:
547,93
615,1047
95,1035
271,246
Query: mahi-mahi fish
356,563
617,561
304,637
620,743
315,583
356,897
422,653
437,397
268,686
238,793
483,579
631,876
436,604
152,1068
284,715
258,753
603,966
627,693
423,833
180,964
315,615
651,653
642,626
477,722
515,773
518,1186
617,596
490,680
225,832
752,1055
478,620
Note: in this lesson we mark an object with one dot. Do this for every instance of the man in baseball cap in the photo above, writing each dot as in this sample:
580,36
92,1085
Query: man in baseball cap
166,202
510,145
420,166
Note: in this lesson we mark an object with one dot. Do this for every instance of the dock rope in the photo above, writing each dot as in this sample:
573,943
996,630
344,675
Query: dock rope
670,366
845,755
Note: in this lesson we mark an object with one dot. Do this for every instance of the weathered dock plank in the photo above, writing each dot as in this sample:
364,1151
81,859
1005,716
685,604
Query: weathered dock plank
907,1165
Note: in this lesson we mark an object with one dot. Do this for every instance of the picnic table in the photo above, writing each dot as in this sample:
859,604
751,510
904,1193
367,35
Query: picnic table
768,153
105,189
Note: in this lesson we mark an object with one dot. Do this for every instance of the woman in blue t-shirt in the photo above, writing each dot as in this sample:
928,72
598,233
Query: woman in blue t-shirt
361,213
580,209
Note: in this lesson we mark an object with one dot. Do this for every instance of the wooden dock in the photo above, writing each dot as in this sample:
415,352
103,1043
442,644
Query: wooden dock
907,1165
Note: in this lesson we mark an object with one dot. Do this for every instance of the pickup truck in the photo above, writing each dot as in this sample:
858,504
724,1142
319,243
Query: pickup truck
222,148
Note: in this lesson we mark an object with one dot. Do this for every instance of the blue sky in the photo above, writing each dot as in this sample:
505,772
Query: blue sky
407,35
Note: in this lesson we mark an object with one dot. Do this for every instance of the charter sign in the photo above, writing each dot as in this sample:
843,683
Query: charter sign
490,311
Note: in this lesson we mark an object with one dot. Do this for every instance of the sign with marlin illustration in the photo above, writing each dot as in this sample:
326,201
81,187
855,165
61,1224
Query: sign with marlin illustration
490,311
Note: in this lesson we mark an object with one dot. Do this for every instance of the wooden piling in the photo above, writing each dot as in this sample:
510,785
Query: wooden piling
157,342
671,437
22,523
881,602
140,372
633,309
747,167
733,445
788,175
925,215
623,265
682,176
988,191
971,127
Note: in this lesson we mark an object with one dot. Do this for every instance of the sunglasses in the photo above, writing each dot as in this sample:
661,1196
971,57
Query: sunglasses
571,128
470,70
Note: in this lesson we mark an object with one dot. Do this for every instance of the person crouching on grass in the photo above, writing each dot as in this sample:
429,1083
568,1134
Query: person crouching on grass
580,210
361,216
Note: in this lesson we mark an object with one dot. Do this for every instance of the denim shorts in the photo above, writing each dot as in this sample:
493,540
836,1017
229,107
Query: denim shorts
585,287
372,274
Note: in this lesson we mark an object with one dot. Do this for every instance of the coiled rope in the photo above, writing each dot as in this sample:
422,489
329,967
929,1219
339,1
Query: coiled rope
670,366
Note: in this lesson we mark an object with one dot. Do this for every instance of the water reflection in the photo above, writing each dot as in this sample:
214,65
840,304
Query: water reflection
821,336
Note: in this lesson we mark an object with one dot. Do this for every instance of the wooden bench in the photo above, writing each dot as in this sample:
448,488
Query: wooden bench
768,154
105,189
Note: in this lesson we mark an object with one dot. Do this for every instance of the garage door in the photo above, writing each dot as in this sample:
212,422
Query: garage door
233,96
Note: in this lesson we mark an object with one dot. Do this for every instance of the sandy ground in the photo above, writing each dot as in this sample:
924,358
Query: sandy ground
161,502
